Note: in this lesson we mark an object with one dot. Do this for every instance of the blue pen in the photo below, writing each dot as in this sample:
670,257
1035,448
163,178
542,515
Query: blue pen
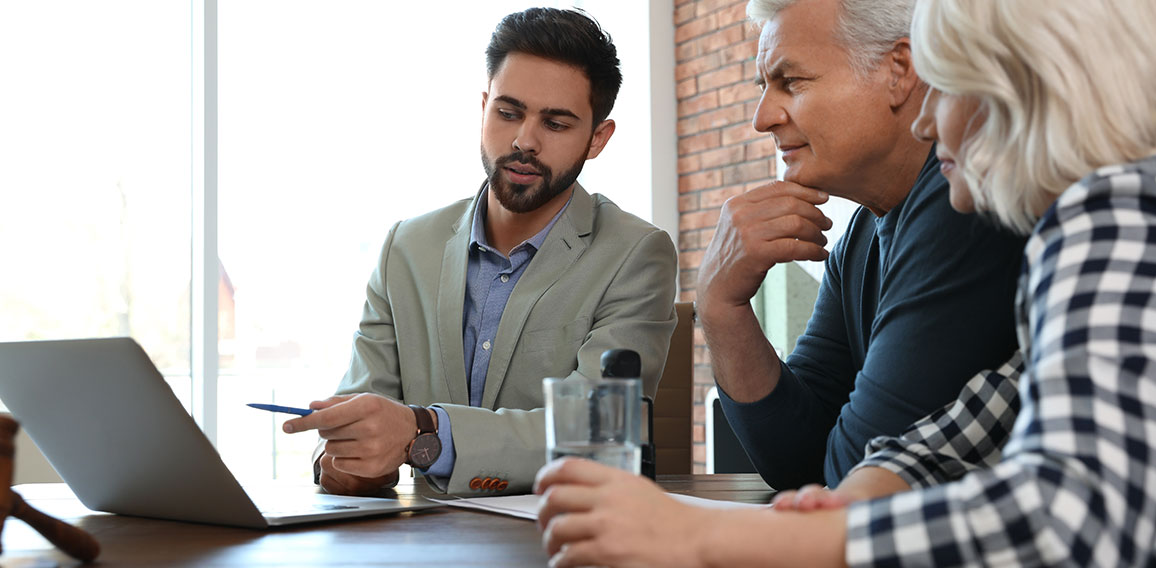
279,408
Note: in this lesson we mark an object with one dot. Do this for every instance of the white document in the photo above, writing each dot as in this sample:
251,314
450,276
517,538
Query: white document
526,506
521,506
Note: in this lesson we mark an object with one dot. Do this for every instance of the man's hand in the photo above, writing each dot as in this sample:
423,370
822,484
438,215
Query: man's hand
774,223
365,440
592,514
340,483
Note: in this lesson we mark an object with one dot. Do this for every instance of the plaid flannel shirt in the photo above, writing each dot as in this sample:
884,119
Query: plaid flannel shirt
1052,457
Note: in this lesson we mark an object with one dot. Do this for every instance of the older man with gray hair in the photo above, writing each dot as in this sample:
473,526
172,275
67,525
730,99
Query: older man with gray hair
916,298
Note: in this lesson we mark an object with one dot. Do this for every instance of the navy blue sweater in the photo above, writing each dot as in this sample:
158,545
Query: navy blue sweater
911,306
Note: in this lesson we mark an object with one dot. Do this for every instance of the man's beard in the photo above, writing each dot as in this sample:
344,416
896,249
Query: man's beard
522,198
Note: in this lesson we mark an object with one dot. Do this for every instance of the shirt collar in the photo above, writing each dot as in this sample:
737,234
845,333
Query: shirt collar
478,230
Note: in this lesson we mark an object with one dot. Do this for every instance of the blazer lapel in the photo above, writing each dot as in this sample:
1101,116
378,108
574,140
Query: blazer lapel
450,306
561,248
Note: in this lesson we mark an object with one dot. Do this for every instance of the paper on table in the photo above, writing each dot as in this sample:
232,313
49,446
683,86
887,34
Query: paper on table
526,506
521,506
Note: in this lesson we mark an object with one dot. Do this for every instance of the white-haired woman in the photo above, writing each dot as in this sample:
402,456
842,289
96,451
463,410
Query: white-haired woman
1045,117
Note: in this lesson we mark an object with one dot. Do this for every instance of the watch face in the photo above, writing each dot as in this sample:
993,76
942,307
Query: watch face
425,450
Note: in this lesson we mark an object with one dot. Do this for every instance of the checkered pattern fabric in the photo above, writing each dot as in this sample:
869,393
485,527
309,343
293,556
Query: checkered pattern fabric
1074,479
963,436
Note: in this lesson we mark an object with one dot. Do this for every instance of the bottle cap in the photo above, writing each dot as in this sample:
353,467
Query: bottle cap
621,363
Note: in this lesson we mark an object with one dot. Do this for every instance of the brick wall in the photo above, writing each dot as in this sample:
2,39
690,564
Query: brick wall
719,154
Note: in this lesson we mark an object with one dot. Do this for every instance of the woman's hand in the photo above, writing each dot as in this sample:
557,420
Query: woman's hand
592,514
809,498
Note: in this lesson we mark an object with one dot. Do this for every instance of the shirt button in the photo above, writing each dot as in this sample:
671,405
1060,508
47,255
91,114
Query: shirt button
486,345
505,278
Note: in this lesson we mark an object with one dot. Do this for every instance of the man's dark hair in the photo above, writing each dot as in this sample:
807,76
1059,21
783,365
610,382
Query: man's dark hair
565,36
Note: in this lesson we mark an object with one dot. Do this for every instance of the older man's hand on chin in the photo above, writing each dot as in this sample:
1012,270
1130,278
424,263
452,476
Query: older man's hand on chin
772,224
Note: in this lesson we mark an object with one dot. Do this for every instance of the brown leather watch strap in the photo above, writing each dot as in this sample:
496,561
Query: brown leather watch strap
425,423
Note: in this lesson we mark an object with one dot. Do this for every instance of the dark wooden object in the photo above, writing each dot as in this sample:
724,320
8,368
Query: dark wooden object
73,541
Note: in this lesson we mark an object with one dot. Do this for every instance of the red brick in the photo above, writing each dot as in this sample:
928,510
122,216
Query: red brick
698,433
723,76
701,355
683,14
750,70
695,28
699,468
722,39
688,202
698,393
716,197
738,93
740,51
696,66
686,88
739,133
720,118
721,157
735,13
760,148
698,219
703,375
745,172
704,7
688,50
691,240
699,338
695,105
690,260
699,180
699,414
687,164
699,454
698,143
687,279
686,126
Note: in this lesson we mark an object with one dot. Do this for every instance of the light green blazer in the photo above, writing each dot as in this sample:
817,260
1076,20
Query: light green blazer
603,279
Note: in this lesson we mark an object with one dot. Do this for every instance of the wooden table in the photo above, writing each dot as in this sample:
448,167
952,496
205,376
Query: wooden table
447,536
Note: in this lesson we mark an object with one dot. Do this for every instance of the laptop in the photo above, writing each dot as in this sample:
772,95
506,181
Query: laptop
106,420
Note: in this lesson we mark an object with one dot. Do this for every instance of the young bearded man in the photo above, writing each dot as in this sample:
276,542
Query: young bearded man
471,306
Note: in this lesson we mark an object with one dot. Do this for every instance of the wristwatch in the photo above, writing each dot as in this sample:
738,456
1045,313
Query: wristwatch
425,448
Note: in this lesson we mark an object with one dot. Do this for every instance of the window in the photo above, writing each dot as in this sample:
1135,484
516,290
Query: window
95,175
332,121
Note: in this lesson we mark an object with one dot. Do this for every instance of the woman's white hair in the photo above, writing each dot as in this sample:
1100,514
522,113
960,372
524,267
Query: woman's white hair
1064,86
868,29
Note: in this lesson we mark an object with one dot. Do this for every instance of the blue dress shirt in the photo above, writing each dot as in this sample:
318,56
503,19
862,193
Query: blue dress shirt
490,279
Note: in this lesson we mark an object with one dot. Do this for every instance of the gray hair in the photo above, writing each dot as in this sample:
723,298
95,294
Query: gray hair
868,29
1067,87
